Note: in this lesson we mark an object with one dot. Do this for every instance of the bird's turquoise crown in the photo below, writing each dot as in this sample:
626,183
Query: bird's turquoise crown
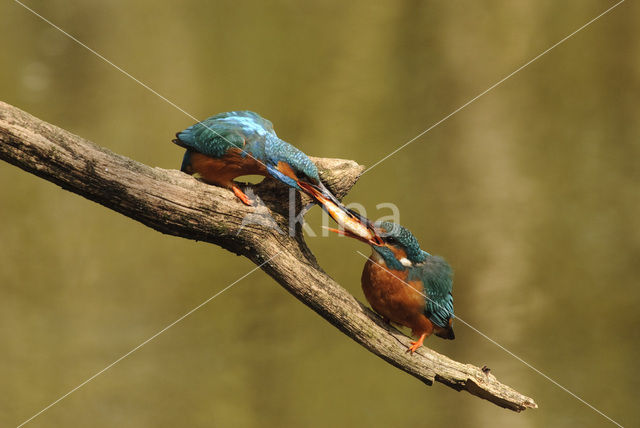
398,236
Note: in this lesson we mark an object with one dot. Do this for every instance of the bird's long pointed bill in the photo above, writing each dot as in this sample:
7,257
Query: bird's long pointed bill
352,224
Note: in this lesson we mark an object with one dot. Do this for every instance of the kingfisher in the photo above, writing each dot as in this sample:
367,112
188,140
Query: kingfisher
229,145
407,285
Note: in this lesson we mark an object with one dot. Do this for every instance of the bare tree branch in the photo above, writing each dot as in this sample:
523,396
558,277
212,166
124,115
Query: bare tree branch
177,204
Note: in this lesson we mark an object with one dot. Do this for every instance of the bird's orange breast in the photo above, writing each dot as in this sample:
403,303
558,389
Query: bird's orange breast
223,170
392,295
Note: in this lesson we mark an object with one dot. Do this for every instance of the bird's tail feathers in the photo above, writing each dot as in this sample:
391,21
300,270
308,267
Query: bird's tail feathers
446,333
179,142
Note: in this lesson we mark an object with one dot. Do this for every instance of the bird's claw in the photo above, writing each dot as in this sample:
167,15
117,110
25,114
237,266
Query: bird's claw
241,195
414,347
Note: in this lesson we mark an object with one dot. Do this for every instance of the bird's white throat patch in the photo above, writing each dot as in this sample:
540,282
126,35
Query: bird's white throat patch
406,262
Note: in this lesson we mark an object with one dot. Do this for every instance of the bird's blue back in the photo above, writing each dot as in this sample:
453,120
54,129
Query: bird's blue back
436,277
254,135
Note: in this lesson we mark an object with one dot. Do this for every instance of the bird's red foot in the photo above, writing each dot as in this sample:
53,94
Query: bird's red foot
241,195
418,343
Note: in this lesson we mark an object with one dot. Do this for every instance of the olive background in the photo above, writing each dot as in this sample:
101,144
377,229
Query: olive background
531,193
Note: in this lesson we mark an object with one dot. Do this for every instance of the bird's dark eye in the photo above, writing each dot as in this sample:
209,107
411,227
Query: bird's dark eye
391,240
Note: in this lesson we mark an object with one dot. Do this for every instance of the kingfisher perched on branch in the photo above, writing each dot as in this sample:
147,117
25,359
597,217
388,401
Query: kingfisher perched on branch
229,145
407,285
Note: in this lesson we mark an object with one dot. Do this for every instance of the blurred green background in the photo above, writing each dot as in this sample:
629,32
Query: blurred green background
532,194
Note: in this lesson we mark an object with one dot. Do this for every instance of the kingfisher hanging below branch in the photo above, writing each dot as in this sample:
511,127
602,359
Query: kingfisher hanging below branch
229,145
407,285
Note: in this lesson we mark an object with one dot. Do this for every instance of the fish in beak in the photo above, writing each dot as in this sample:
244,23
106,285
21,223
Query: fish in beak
351,223
361,229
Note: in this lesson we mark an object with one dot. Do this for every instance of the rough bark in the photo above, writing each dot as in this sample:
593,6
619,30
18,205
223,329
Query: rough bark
177,204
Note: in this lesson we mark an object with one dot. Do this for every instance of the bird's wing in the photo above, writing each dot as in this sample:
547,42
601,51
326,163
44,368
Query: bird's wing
436,277
216,135
210,138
